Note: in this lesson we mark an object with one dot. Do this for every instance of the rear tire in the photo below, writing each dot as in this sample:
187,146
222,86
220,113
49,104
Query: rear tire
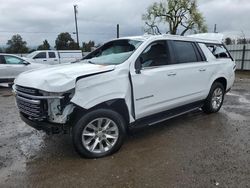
215,98
99,133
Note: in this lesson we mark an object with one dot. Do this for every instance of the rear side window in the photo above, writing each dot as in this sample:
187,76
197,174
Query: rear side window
218,50
185,52
52,55
41,55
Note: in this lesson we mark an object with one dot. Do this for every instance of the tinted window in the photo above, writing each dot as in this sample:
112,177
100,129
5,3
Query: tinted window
2,60
41,55
12,60
218,50
155,55
184,52
52,55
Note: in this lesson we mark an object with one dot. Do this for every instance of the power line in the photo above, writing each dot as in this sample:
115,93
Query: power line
54,32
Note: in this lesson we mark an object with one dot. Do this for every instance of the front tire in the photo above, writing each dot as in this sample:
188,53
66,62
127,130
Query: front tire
215,98
99,133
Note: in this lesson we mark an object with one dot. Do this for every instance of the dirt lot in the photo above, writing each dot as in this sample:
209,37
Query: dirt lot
195,150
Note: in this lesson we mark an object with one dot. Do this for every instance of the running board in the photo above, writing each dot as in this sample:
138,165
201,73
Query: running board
166,115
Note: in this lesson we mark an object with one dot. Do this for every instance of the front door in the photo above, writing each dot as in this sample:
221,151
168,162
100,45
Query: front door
41,57
11,66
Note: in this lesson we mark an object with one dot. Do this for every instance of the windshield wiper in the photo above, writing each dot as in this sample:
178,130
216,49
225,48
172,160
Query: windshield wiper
91,62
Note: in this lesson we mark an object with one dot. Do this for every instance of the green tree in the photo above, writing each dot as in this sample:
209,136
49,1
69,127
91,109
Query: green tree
64,41
228,41
44,46
178,16
16,45
31,50
86,47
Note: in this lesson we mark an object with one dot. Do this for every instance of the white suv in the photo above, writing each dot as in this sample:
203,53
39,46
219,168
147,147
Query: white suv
126,83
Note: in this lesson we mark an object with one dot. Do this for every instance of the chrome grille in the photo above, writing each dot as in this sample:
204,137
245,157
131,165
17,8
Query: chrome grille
28,103
27,90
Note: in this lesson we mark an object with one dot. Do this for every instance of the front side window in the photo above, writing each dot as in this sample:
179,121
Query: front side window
13,60
114,52
155,55
184,52
41,55
218,50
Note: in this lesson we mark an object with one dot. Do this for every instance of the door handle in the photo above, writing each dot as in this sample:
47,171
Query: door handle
171,74
55,59
202,70
44,60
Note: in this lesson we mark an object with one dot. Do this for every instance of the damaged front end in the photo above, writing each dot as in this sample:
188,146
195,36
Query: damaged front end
45,111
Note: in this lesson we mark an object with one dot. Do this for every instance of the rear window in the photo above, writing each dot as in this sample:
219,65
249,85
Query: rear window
52,55
218,50
184,52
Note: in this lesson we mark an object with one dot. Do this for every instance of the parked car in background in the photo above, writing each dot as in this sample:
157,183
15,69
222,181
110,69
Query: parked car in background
11,66
126,83
55,57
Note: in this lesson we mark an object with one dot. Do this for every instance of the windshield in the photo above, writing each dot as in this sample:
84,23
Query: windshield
31,54
114,52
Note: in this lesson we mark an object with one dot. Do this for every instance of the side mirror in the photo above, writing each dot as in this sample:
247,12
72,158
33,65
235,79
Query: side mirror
26,63
138,65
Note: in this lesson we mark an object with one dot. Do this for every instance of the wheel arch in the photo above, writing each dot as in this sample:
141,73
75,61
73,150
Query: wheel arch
119,105
221,80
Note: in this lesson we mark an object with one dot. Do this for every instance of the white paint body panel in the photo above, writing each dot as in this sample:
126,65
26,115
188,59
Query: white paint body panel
58,78
61,56
11,71
154,90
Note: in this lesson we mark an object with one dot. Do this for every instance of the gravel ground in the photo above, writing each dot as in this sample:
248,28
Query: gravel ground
194,150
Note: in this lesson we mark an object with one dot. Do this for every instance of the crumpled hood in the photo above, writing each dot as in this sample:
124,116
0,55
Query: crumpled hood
59,78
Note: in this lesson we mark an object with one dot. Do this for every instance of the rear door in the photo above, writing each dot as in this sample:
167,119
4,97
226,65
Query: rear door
191,70
53,58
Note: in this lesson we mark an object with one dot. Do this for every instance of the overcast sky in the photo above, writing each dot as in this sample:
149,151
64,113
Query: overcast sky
37,20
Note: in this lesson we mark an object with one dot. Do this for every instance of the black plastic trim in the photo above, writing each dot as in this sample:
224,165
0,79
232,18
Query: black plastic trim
49,128
93,74
132,95
165,115
200,52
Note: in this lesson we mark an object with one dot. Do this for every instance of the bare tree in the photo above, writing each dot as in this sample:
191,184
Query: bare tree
176,15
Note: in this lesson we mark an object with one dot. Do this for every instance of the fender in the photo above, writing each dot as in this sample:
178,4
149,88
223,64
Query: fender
98,88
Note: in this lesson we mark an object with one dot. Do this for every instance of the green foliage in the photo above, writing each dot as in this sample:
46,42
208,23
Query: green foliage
179,16
31,50
64,41
86,47
44,46
228,41
16,45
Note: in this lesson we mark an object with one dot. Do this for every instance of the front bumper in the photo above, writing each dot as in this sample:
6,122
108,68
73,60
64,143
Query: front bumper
49,128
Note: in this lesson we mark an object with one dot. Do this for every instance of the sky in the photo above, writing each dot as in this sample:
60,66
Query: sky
37,20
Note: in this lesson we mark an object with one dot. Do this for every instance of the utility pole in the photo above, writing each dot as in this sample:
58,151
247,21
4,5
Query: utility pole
215,28
77,37
117,30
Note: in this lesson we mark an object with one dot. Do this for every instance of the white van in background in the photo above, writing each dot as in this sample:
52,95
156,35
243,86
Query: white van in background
55,56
